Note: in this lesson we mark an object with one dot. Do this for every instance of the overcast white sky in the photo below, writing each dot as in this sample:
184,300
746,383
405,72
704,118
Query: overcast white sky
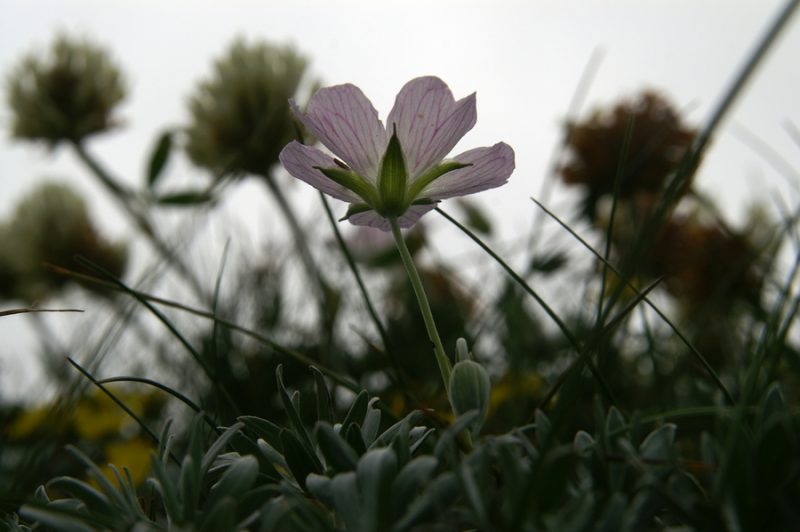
523,59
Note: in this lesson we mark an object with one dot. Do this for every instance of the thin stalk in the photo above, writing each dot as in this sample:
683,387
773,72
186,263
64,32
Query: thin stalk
692,158
709,369
582,350
575,103
626,142
391,355
304,252
424,306
281,350
120,403
124,198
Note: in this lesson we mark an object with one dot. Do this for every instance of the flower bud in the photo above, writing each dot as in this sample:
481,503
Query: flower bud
67,95
469,390
462,351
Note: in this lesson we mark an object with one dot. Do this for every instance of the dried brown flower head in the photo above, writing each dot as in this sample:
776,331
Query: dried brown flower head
706,265
646,130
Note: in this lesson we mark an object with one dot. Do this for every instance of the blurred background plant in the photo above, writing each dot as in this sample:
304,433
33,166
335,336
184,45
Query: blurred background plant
626,411
65,95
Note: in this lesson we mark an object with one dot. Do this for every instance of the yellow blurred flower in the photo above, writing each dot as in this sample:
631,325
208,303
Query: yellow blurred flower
513,387
133,454
97,416
35,420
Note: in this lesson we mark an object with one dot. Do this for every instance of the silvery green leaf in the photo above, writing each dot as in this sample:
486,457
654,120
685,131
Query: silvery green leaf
357,411
349,507
54,519
543,428
658,445
92,498
218,445
263,428
583,444
338,454
472,493
446,442
418,438
324,400
773,403
222,516
439,493
189,483
300,462
294,418
615,424
410,478
108,488
372,422
386,437
238,478
374,474
320,487
355,439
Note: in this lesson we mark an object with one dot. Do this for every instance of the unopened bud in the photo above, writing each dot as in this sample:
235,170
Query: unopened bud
469,390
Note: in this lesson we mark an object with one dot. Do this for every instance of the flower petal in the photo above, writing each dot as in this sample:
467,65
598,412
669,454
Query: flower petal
409,218
429,121
489,168
300,160
345,121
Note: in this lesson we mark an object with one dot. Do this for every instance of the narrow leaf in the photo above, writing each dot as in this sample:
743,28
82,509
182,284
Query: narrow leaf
185,198
324,400
338,454
300,462
294,416
159,158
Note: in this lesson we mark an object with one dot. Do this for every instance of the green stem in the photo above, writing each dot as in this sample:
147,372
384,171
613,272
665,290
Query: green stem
424,306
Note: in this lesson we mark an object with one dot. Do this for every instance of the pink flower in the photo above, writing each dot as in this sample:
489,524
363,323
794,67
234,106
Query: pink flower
401,171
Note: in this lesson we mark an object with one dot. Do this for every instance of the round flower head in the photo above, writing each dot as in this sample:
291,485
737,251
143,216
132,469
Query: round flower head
52,225
67,95
240,116
398,171
647,130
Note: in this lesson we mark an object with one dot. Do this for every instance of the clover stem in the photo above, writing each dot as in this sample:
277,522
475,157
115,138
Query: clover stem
126,198
424,306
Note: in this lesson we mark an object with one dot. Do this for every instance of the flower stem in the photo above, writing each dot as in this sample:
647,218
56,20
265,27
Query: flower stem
424,306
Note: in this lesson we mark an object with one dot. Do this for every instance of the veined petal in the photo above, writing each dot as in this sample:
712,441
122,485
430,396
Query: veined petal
488,168
429,121
409,218
300,161
345,121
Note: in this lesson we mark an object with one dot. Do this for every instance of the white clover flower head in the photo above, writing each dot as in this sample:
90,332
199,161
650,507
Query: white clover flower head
400,171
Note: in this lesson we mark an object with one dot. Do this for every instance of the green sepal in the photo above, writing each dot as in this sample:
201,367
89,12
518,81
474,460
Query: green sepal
432,175
351,181
355,208
393,178
424,201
